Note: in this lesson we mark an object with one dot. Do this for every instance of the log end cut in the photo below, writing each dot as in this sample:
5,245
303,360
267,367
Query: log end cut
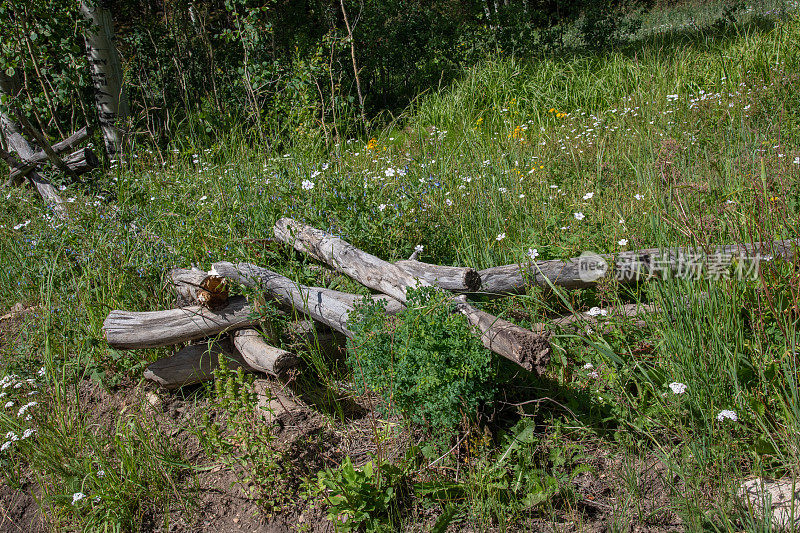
535,352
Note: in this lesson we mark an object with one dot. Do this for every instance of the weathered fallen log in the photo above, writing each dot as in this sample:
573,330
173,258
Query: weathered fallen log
626,267
528,349
195,286
524,347
313,301
44,145
260,355
193,364
365,268
43,186
150,329
457,279
603,317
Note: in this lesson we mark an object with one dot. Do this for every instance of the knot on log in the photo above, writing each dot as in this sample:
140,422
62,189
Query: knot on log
472,280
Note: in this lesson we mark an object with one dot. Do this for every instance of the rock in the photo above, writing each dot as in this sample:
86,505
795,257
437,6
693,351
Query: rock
780,495
154,401
273,402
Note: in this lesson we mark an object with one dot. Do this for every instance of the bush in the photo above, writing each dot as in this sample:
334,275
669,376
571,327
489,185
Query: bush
426,361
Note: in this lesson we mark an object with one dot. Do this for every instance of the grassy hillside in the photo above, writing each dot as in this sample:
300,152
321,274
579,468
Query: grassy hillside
681,138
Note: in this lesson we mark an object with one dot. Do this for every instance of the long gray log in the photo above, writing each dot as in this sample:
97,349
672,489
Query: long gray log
260,355
313,301
365,268
521,346
579,320
457,279
193,364
627,267
150,329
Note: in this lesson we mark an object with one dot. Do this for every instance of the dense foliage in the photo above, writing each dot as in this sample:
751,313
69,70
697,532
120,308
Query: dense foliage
426,361
277,66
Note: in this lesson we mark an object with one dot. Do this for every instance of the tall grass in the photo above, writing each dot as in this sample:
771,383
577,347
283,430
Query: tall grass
676,140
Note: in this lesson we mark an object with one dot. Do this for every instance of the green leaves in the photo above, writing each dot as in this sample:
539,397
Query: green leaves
426,361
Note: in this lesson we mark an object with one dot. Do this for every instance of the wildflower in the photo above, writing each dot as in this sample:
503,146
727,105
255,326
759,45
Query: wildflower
533,253
622,221
381,207
596,311
588,196
9,404
389,172
502,190
418,248
203,198
6,445
623,242
25,408
28,433
593,374
101,473
579,216
78,496
588,366
554,186
677,388
500,237
449,202
638,196
796,161
727,413
22,225
307,185
12,436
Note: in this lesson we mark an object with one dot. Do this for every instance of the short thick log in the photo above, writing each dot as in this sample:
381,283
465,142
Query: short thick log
150,329
193,364
626,267
312,301
261,356
521,346
457,279
195,286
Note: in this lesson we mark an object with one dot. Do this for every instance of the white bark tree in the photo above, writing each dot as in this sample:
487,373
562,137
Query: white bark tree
110,98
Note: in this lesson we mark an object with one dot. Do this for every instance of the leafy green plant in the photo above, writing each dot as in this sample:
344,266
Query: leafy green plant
426,361
365,498
240,437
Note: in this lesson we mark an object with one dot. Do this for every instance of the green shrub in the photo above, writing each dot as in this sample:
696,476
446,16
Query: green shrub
426,361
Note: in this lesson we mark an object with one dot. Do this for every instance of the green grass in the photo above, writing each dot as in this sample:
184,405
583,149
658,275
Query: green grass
688,145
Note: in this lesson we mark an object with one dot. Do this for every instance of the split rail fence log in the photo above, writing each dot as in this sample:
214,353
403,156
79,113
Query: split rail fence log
80,161
260,355
315,302
528,349
195,286
193,364
456,279
627,267
150,329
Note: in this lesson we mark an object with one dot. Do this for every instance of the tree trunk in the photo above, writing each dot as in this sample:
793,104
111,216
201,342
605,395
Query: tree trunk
110,98
261,356
521,346
151,329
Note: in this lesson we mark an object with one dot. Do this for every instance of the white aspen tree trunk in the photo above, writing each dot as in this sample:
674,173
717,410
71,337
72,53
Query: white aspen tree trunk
110,98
